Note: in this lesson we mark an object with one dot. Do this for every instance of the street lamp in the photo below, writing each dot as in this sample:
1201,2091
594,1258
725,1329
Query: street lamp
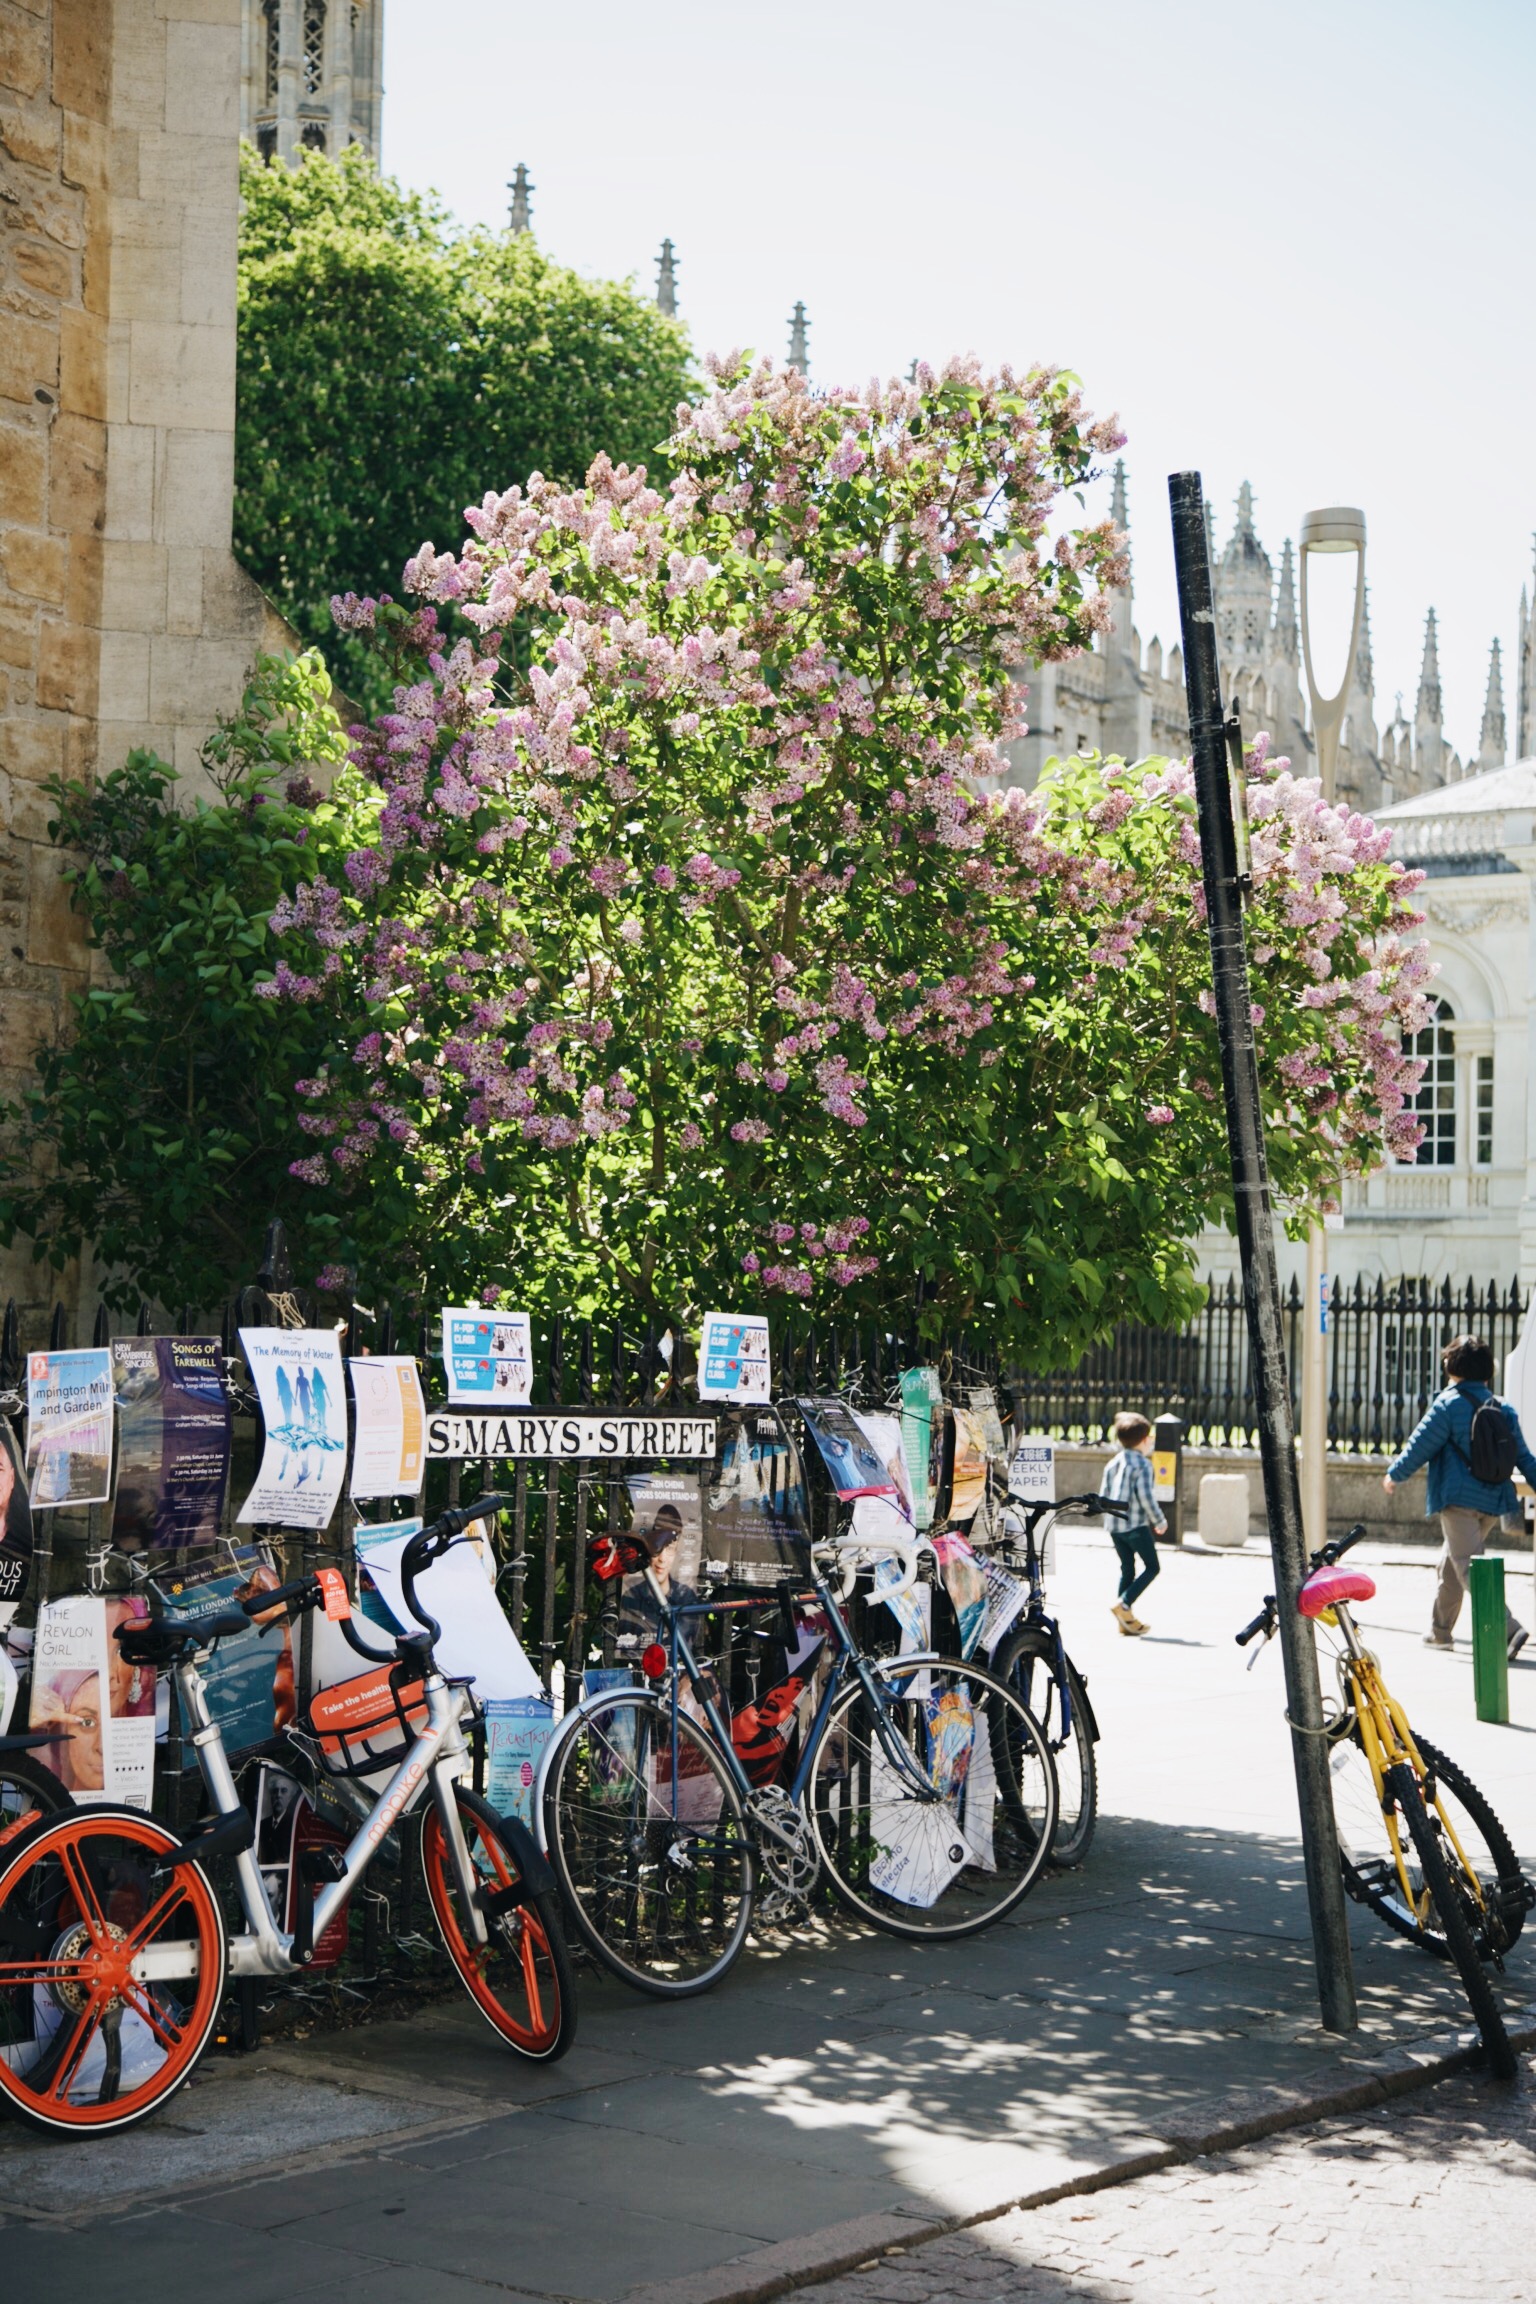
1338,529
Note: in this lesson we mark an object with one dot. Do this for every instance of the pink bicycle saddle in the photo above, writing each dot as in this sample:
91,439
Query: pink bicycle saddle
1325,1587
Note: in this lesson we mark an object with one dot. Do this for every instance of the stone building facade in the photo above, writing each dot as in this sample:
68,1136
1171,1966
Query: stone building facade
311,76
124,617
1127,697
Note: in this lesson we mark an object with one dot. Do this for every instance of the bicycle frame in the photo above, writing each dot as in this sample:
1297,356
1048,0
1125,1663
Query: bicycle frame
848,1660
1387,1740
267,1950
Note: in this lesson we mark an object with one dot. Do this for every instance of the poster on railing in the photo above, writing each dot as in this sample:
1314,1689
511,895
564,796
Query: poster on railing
981,1399
476,1642
667,1516
69,1428
299,1382
968,1467
15,1524
1032,1472
173,1436
517,1728
854,1464
249,1678
733,1357
97,1709
389,1441
921,1426
487,1357
754,1500
966,1585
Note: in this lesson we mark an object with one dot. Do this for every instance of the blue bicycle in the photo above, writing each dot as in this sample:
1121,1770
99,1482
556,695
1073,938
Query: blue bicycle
923,1791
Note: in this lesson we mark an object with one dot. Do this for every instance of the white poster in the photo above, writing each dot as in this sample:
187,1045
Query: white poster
477,1642
69,1428
1032,1474
298,1377
733,1357
487,1357
389,1445
98,1709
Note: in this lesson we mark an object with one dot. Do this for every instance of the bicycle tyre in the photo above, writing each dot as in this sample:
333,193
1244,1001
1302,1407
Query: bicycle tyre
1076,1818
521,1981
1508,1893
1404,1787
852,1827
77,1889
664,1906
28,1792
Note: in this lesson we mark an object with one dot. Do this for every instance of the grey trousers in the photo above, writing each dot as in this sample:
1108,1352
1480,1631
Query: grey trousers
1465,1532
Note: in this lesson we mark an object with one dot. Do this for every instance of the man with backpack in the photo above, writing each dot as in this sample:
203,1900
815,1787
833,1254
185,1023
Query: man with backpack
1469,1444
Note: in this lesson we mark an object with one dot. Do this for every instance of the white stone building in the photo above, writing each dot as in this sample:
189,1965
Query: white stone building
312,76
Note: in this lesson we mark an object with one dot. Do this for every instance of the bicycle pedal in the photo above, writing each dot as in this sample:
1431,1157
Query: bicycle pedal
496,1903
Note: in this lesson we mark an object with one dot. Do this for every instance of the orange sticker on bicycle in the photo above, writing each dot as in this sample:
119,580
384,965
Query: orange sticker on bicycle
333,1586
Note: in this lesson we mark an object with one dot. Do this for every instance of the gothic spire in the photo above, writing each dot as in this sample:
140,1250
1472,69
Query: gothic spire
799,357
1117,511
1429,707
1286,635
666,281
1491,744
1245,526
1428,719
1523,698
520,217
1365,667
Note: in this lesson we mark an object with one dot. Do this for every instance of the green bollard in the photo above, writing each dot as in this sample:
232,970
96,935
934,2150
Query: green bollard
1490,1641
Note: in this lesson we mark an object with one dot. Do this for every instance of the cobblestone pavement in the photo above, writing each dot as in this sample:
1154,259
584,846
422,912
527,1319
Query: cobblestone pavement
1433,2197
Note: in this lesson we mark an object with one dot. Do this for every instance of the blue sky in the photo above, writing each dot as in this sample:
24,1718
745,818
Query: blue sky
1292,245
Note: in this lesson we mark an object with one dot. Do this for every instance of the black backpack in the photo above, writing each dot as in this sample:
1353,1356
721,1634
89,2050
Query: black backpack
1492,1458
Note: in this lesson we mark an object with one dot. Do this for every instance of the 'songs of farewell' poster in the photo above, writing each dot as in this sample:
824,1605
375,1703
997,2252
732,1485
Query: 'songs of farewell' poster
173,1439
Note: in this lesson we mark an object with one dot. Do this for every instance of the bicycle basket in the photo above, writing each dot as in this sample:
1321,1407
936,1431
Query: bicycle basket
367,1723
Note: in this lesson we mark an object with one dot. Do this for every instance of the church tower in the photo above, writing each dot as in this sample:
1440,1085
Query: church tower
1492,743
312,76
1245,585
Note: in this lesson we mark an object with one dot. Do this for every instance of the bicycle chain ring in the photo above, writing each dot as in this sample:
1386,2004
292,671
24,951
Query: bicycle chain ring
792,1870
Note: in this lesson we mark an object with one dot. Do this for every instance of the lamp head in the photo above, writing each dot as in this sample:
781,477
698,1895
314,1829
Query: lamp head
1339,528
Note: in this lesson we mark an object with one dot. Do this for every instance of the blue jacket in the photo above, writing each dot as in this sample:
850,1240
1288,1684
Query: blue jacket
1446,1430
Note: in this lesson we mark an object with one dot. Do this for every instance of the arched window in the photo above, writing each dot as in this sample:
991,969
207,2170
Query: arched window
1435,1102
313,138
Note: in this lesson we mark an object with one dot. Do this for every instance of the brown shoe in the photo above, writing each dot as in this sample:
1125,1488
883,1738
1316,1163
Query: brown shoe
1136,1627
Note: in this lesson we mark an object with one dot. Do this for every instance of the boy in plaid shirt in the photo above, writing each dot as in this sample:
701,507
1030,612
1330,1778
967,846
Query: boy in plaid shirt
1128,1480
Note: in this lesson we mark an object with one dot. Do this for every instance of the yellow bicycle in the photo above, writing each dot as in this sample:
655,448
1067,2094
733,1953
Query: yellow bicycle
1419,1844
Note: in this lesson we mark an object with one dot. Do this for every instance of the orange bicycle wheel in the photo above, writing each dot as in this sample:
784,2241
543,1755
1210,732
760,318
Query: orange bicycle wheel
521,1979
112,1965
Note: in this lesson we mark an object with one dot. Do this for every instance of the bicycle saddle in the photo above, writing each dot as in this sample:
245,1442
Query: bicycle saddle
1325,1587
163,1638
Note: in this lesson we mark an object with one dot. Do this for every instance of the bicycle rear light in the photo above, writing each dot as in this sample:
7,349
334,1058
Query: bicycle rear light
653,1662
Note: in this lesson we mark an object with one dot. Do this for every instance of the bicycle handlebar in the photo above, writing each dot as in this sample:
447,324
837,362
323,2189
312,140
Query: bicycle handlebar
1263,1622
861,1552
1336,1549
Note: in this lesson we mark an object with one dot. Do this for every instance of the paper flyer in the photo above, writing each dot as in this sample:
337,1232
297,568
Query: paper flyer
754,1500
733,1357
981,1400
1032,1473
370,1602
920,1397
15,1525
389,1443
298,1377
966,1583
921,1845
250,1679
69,1428
667,1516
173,1439
1007,1596
968,1470
853,1463
477,1642
913,1611
517,1728
487,1357
883,1432
100,1708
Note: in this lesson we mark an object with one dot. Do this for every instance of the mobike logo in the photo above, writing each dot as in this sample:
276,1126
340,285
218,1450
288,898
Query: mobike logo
393,1804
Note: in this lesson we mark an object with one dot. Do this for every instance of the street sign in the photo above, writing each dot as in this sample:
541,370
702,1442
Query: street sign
612,1432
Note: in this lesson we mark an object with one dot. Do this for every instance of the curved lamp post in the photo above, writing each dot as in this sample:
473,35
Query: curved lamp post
1340,528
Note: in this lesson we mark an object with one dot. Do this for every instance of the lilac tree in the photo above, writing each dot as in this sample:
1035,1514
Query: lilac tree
699,952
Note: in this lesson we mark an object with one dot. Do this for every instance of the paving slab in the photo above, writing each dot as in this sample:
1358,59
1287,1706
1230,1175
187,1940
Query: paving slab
842,2091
